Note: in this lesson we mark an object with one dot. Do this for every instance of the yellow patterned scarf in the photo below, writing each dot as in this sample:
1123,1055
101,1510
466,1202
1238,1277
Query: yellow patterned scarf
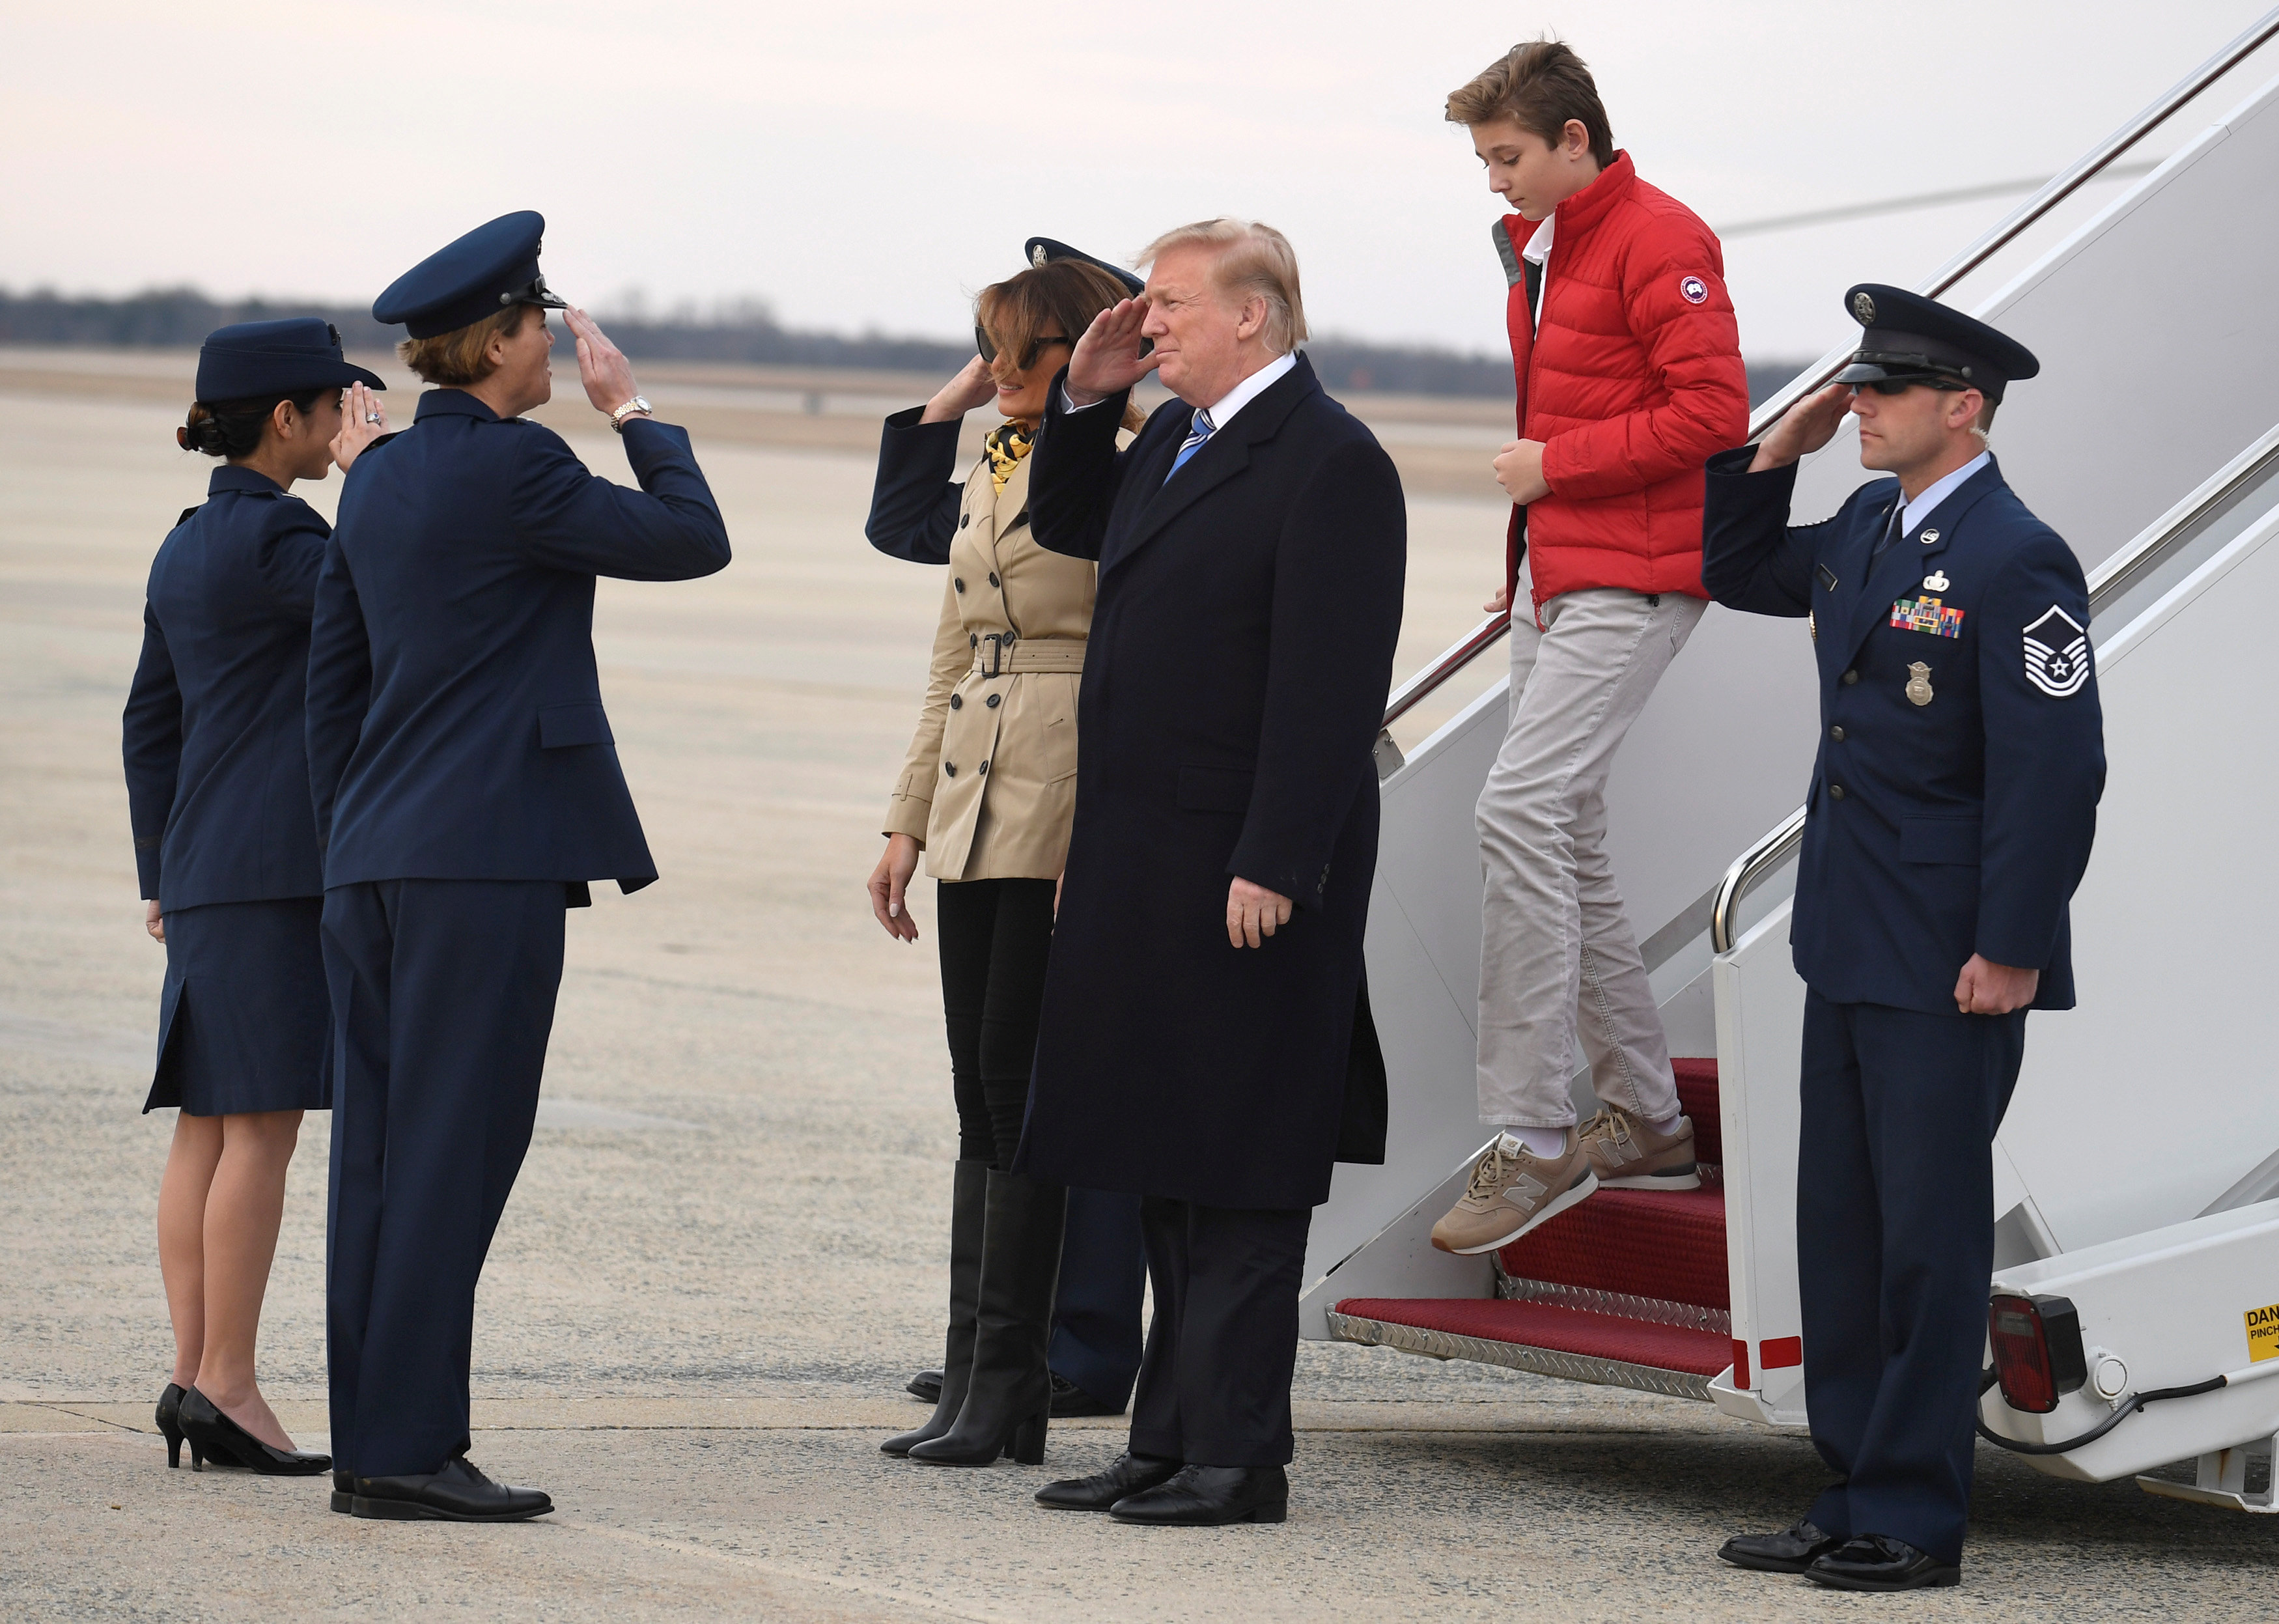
1007,445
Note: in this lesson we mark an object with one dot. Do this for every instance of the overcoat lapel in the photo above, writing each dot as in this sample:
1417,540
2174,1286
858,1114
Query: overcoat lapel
1904,563
1226,454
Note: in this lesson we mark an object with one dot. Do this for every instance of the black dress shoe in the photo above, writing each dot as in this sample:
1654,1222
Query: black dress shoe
1070,1401
1790,1550
211,1432
458,1493
1131,1474
1876,1562
1205,1496
926,1385
343,1491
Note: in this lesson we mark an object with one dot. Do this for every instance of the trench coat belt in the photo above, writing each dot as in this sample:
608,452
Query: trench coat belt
997,654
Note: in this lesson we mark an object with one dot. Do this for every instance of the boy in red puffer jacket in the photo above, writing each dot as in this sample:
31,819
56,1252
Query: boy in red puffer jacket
1630,374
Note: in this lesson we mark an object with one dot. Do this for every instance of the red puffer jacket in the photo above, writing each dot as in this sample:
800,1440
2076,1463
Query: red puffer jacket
1635,379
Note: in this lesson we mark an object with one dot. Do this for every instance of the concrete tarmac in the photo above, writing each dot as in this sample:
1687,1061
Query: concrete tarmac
724,1254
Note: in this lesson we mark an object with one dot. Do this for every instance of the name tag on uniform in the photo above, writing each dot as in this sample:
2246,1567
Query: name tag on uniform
1930,615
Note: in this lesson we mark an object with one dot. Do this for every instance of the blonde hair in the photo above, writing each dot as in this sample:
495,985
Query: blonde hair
461,356
1253,258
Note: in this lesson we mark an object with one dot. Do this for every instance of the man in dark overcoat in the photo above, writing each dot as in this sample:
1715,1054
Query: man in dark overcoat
467,791
1205,1041
1949,817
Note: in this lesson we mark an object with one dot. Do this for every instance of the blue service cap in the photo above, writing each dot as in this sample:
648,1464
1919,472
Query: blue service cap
493,267
1912,339
1043,250
275,357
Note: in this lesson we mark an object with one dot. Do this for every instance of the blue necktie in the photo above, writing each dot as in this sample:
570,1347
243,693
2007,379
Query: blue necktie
1203,430
1891,531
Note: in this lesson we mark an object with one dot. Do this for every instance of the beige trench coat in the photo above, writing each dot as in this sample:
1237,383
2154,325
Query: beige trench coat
989,787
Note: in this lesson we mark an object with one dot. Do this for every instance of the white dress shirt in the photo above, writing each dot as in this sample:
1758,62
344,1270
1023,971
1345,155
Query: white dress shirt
1223,410
1538,253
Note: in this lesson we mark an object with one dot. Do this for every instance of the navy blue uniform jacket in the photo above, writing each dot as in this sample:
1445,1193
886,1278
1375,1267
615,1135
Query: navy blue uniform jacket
456,729
1241,650
1938,830
217,769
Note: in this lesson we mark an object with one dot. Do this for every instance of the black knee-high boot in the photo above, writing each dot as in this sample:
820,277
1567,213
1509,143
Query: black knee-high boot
967,1207
1010,1396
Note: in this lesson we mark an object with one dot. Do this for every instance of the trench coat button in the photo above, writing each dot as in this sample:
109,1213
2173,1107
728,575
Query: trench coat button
993,581
1836,791
963,519
1019,519
961,585
950,768
957,701
973,640
985,770
993,698
1836,733
1849,677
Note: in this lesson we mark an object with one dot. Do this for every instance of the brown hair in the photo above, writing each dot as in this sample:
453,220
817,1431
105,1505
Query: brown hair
1054,300
1539,85
1253,259
460,358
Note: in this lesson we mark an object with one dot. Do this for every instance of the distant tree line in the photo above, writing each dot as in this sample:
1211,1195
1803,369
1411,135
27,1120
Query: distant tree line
181,316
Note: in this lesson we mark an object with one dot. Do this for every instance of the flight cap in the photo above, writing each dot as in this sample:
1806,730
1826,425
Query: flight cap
275,357
492,268
1910,339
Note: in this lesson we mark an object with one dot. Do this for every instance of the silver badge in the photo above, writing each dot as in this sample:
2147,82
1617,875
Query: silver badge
1863,309
1038,257
1919,683
1928,537
1937,581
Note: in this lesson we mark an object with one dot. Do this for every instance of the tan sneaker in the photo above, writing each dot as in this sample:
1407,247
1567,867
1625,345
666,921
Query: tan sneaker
1512,1191
1627,1154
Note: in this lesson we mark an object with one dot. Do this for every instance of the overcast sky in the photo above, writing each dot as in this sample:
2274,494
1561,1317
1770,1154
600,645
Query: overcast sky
868,166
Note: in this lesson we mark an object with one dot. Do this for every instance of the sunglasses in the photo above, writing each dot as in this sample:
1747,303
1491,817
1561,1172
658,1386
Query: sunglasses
1037,346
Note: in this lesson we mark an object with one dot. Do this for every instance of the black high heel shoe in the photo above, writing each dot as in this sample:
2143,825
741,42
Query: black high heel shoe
170,1422
212,1433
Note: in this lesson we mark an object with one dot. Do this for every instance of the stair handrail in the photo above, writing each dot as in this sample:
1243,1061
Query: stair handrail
1485,636
2128,566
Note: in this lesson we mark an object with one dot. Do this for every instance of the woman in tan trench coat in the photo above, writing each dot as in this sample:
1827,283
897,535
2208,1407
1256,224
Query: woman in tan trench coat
988,794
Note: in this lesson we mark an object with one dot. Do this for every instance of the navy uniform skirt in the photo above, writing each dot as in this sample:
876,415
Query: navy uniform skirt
245,1023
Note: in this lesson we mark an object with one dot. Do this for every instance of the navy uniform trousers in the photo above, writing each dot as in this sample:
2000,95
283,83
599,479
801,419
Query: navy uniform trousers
1895,1240
443,999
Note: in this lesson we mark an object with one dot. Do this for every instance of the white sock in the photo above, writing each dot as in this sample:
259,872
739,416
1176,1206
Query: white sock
1668,1125
1547,1144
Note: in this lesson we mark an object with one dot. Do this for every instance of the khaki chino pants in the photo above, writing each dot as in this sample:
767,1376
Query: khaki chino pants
1558,961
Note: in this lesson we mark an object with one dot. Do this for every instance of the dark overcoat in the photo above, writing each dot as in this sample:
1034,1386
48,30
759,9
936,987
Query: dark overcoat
456,728
1954,796
1241,651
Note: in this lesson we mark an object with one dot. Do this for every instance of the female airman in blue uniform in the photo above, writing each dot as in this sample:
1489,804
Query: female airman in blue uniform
216,780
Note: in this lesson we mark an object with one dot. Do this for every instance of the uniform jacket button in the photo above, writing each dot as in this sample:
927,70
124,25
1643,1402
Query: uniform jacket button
959,585
1836,733
1850,678
993,581
993,698
957,701
1836,791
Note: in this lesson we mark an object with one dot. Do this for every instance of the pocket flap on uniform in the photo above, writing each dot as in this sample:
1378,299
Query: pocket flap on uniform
1214,789
1939,839
579,723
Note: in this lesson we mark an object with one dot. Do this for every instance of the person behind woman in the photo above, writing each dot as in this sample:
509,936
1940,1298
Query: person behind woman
989,792
217,792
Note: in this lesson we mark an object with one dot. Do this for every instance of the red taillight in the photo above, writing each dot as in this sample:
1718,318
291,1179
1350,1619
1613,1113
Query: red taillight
2022,1355
2037,1352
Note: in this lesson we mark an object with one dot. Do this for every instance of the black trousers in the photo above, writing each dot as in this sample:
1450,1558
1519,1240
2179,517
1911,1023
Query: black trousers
442,1003
1895,1241
1215,1383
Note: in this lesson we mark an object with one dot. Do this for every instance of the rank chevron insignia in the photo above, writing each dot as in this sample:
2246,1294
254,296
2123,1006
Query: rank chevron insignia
2057,653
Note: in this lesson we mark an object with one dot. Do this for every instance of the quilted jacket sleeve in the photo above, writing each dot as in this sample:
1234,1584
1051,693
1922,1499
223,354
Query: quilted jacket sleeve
1674,298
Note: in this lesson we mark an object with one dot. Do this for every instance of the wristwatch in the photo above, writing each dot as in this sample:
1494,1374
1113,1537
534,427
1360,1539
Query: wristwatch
631,407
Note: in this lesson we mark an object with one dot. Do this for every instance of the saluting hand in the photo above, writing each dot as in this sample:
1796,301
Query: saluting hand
1106,360
362,421
1253,913
601,366
1804,428
975,385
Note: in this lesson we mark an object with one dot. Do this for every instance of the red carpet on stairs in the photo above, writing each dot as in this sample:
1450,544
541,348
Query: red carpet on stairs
1667,1246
